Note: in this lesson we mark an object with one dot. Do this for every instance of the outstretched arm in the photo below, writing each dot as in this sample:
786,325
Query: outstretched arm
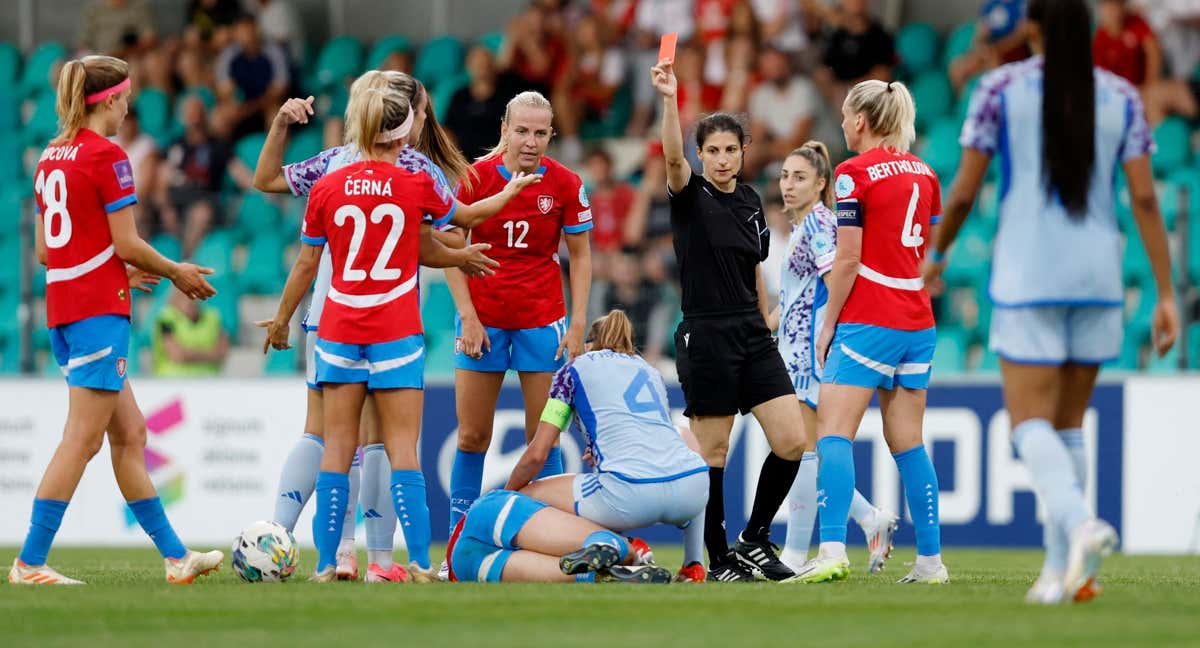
678,169
268,172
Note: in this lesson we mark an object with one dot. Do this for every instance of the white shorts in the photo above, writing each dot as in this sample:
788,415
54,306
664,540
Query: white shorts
802,370
1054,335
619,505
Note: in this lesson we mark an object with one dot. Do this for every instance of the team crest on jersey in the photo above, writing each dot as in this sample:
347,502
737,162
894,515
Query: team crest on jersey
844,185
545,203
583,200
124,172
121,364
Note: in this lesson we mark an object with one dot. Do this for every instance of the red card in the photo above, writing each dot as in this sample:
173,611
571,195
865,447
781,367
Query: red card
666,49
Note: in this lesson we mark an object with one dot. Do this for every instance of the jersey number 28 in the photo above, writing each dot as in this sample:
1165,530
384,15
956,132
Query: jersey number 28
53,188
379,270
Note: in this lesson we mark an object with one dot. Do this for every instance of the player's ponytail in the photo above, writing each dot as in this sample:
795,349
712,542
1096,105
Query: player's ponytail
817,154
79,79
889,110
612,332
527,99
1068,100
381,118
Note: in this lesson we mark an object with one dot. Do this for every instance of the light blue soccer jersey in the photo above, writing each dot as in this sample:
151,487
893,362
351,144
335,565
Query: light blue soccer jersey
802,296
1042,256
620,403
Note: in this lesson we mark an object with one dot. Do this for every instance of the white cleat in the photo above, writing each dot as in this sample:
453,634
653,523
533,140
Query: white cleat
1091,542
444,572
193,564
880,534
822,569
793,559
926,575
1046,590
22,574
419,575
347,563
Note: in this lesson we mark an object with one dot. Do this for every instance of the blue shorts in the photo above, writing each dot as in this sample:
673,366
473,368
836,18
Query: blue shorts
489,533
399,364
1054,335
530,349
621,505
93,352
880,358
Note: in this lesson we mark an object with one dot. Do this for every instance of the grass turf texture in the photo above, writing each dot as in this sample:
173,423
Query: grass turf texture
1147,601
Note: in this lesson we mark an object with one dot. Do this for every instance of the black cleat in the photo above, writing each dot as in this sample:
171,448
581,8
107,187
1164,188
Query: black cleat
594,557
758,554
638,575
730,571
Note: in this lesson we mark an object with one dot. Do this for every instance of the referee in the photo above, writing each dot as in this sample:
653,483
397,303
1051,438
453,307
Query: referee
725,355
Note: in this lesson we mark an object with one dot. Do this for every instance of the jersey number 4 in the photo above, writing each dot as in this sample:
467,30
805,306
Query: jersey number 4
639,405
355,214
910,236
53,188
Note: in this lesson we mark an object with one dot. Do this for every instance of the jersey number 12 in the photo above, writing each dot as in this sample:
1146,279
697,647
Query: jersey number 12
519,240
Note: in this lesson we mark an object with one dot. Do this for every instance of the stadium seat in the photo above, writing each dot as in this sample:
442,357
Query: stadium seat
437,313
917,48
340,59
257,214
970,258
1193,342
10,65
304,143
226,302
615,119
248,148
154,114
36,77
384,48
440,58
493,41
263,273
963,106
958,43
950,355
167,245
1173,138
216,251
1168,363
933,96
43,122
444,91
285,362
940,148
1131,352
10,110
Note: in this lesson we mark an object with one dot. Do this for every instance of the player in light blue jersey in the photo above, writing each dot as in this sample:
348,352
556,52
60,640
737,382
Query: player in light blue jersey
644,472
1060,129
806,184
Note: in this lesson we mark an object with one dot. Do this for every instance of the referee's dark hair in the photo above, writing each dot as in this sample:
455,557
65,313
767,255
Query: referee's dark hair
720,123
1068,100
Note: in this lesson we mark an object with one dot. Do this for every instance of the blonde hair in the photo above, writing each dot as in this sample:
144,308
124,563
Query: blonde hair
527,99
889,110
373,111
612,332
817,154
78,79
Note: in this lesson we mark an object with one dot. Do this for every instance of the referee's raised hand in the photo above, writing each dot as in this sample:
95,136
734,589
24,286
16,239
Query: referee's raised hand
663,78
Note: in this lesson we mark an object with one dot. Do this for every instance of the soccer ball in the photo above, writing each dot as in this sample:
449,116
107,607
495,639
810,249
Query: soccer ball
265,552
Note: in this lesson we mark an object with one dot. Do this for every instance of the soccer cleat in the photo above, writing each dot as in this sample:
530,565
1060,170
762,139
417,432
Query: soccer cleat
193,564
642,553
637,574
1046,590
444,571
394,574
1091,542
347,564
22,574
880,534
927,575
692,572
730,571
793,559
822,569
327,575
758,554
592,558
421,575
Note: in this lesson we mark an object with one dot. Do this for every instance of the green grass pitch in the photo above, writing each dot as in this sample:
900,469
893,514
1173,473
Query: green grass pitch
1149,601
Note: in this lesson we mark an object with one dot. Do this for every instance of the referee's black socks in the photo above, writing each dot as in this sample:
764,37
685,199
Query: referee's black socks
774,482
714,518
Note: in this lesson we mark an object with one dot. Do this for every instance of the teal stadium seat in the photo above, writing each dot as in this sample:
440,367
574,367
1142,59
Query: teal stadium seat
340,59
285,362
304,143
1166,364
247,149
257,214
264,273
10,65
437,314
36,77
216,251
971,256
385,47
917,46
441,58
10,112
43,122
493,41
154,114
950,355
959,42
444,91
933,96
963,105
226,302
1173,138
1193,340
940,148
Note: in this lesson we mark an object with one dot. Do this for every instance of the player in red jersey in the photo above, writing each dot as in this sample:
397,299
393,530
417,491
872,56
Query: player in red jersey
376,218
517,318
879,332
85,237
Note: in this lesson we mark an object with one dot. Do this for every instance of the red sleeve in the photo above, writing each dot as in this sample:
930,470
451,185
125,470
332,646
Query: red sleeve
433,204
577,212
850,187
312,232
935,213
1141,28
113,176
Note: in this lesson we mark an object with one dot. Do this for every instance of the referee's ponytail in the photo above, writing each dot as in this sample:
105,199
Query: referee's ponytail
612,332
1068,100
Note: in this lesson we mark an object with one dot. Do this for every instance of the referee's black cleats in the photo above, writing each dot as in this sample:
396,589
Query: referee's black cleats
592,558
757,553
730,571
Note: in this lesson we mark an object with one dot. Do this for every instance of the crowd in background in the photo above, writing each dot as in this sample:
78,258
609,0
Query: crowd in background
785,64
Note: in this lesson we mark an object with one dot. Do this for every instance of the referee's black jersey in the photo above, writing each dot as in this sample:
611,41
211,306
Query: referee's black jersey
720,238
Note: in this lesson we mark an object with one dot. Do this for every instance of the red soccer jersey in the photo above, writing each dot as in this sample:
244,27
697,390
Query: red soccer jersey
76,186
893,198
371,214
526,291
1125,53
610,210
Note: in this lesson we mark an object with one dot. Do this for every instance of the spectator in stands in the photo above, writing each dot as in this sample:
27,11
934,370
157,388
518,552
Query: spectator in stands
1000,37
648,225
782,25
1177,24
611,201
696,96
534,52
858,48
730,60
116,27
782,110
617,16
280,24
190,181
193,73
143,154
188,339
630,292
253,76
652,19
211,21
1125,45
597,73
476,110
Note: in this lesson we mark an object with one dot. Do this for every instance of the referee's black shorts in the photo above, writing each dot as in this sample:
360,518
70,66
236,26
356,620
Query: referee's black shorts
728,364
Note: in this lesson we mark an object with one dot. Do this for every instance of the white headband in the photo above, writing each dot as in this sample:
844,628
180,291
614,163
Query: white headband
397,133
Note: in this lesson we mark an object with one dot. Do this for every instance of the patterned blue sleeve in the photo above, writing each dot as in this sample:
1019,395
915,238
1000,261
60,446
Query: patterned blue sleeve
301,176
1139,139
563,386
414,161
981,129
